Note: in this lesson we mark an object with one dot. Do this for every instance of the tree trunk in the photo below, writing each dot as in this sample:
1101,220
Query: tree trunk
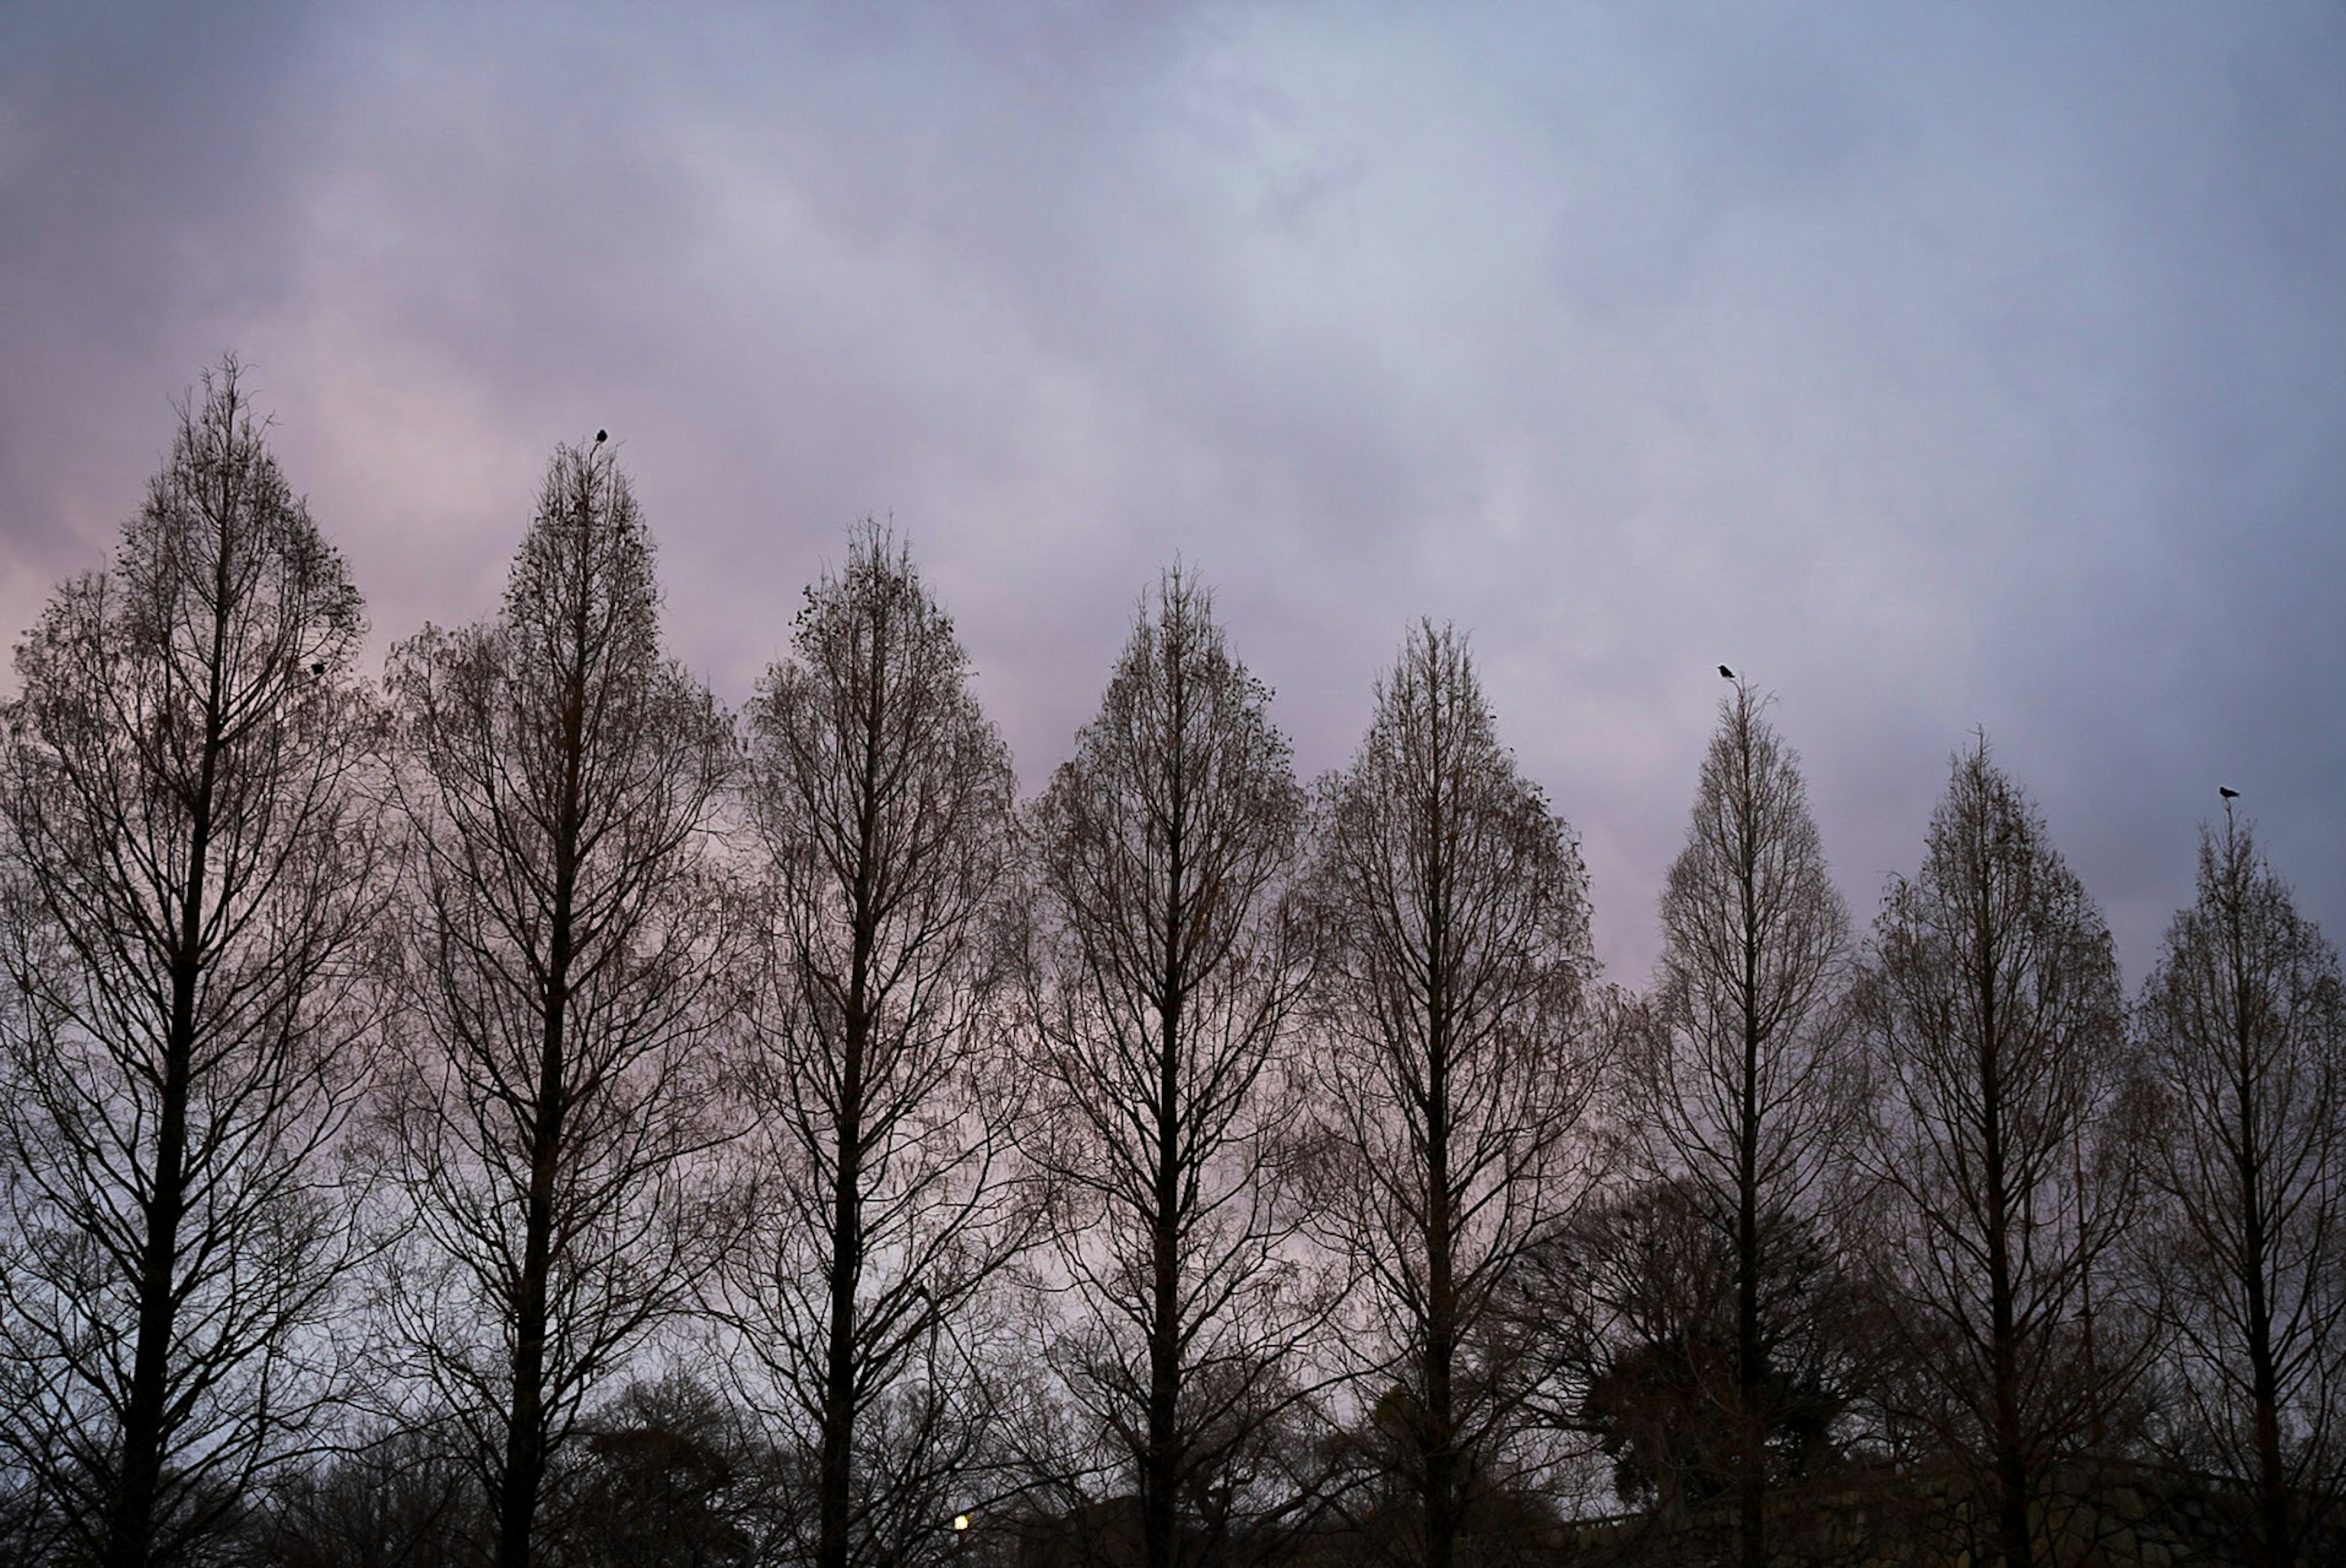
835,1486
1443,1502
1438,1450
131,1536
1161,1463
524,1464
1751,1477
2010,1463
2272,1476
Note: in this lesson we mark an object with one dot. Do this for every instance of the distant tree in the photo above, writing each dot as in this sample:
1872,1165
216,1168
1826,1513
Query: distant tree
560,779
1745,1067
880,801
190,868
670,1475
665,1474
2244,1030
400,1496
1996,1028
1633,1302
1171,966
29,1527
1459,1059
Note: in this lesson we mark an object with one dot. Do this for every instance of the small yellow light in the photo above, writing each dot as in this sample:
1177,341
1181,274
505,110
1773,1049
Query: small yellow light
960,1521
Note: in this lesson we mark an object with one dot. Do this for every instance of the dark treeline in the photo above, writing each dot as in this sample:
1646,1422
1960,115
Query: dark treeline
518,1111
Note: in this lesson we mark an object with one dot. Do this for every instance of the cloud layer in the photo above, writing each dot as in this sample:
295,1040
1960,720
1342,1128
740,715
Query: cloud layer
1939,367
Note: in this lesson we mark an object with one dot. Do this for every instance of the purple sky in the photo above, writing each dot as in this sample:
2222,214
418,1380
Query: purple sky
1937,365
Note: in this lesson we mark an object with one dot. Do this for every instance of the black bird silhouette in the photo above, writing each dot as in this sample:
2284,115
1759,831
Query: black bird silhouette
317,669
2226,793
601,436
1725,673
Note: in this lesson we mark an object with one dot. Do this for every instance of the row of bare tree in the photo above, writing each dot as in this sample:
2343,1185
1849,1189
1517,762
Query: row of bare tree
518,1111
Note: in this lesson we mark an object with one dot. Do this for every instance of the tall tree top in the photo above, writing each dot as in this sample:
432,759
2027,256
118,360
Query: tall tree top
1750,916
1989,859
1433,798
584,581
1175,684
872,638
1183,746
223,591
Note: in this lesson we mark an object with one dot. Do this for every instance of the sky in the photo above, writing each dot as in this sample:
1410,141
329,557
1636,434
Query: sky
1941,368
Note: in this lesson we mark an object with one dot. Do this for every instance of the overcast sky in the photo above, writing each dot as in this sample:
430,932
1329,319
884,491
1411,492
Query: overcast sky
1938,366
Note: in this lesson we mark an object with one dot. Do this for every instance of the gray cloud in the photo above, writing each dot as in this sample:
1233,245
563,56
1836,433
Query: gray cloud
1939,367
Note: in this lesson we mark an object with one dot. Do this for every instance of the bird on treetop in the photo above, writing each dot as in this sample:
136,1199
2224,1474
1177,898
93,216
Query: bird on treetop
601,436
2228,793
1725,673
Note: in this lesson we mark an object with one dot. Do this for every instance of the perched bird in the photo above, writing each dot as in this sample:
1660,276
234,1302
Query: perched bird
317,669
2228,793
1725,673
601,436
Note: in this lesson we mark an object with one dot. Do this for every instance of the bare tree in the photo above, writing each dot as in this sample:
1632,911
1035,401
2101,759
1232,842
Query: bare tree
882,800
399,1495
1171,967
2244,1030
560,779
192,866
1744,1072
1460,1056
1994,1022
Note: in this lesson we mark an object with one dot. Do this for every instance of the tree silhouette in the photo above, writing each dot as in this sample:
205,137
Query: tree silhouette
192,869
1994,1021
880,801
1170,968
560,782
1459,1058
2244,1030
1745,1070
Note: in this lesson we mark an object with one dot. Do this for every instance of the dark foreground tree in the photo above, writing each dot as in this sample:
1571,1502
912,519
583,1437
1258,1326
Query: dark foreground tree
1171,966
1636,1298
403,1496
1996,1028
669,1474
560,777
665,1474
2244,1030
881,803
190,871
1744,1070
1460,1057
